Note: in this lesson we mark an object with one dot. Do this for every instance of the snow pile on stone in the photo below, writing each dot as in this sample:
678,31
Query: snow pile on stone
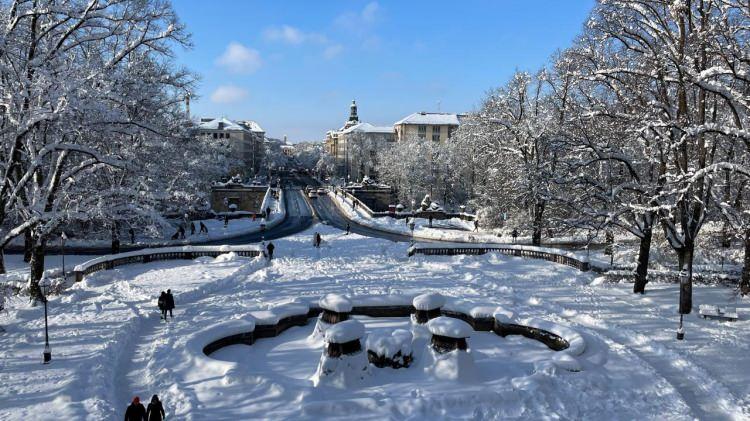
576,343
428,301
503,315
335,302
390,348
274,314
345,331
348,370
450,327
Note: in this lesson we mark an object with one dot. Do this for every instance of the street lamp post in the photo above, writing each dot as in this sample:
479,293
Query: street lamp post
63,237
44,285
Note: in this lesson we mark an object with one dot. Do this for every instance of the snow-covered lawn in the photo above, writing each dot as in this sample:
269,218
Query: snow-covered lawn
108,343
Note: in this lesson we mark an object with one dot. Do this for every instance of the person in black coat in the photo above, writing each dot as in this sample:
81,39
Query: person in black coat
115,245
169,303
155,410
162,303
203,227
132,235
270,250
135,411
192,228
347,228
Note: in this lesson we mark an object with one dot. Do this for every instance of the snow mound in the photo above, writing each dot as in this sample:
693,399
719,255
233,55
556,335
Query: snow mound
226,257
344,372
345,331
456,365
335,302
429,301
449,327
575,341
503,315
274,314
483,311
567,362
386,343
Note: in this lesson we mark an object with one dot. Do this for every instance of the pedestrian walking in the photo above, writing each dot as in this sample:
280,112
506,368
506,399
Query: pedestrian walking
115,244
514,234
268,211
162,303
181,231
204,228
430,221
348,228
270,248
155,410
135,411
169,303
317,240
226,220
132,235
192,228
476,225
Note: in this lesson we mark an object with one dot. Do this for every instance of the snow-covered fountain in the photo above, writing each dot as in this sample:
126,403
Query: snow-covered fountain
335,308
343,363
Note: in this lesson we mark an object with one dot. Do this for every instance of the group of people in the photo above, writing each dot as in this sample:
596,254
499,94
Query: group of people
154,411
166,304
180,233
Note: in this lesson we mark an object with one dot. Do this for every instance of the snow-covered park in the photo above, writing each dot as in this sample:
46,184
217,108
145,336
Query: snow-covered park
109,344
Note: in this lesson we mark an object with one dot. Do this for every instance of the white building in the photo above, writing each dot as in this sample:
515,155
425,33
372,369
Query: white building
437,127
246,138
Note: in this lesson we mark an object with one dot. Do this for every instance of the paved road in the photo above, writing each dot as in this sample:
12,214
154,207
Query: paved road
328,213
298,218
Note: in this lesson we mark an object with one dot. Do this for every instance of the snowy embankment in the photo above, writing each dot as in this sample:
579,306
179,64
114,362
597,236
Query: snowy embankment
108,343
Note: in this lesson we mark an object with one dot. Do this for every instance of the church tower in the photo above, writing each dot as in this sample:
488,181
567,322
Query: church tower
353,113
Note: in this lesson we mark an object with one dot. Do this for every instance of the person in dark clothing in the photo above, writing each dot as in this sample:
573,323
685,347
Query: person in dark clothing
430,221
135,411
192,228
115,245
270,250
514,234
268,212
162,303
204,228
132,235
348,228
181,231
476,225
169,303
317,240
155,410
226,220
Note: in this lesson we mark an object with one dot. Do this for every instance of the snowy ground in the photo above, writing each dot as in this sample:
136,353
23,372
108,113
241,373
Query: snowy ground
108,343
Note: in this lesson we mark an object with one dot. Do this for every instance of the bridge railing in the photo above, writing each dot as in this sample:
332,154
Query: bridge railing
154,254
518,251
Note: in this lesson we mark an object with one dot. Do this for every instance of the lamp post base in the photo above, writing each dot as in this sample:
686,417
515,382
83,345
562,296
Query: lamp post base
47,354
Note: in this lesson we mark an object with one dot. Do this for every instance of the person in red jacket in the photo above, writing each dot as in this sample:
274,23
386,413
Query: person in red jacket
135,411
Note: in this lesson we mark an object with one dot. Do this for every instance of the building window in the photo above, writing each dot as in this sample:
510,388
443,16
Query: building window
451,130
422,131
216,135
436,133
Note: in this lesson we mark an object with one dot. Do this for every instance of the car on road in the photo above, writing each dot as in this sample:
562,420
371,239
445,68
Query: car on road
312,194
322,191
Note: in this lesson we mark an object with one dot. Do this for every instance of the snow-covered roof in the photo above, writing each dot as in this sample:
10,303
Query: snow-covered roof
433,119
221,123
368,128
252,126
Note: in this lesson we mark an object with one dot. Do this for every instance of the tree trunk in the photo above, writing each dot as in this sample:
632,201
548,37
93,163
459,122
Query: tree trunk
27,240
609,248
745,281
36,266
641,271
536,237
686,282
682,257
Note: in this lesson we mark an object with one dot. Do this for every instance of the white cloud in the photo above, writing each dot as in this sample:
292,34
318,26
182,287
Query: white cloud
291,35
332,51
360,22
240,59
228,94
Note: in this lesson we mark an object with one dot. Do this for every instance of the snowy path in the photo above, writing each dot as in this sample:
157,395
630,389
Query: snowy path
108,342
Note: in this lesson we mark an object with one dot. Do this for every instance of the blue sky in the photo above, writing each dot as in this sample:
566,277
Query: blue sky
294,66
